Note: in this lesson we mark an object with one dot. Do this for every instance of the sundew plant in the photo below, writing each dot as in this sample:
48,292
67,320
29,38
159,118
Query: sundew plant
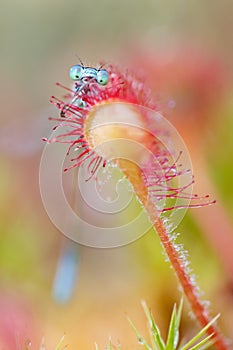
109,120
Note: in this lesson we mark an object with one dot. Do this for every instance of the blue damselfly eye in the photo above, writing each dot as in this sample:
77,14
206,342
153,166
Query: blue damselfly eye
102,77
76,72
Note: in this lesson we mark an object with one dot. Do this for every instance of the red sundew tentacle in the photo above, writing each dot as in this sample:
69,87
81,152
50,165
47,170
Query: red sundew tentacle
81,155
195,196
174,194
81,161
171,195
95,95
75,132
160,181
170,177
199,205
63,124
61,120
159,197
61,140
73,143
166,178
168,188
69,108
68,114
71,167
81,141
65,88
181,189
174,164
95,168
56,101
170,192
91,154
177,194
93,163
53,140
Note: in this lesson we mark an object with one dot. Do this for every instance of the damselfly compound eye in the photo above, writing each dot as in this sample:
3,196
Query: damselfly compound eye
76,72
102,77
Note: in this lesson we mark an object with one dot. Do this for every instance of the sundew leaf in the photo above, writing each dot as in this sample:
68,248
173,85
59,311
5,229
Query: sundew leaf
154,330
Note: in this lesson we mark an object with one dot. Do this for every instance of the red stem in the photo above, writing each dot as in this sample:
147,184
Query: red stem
188,288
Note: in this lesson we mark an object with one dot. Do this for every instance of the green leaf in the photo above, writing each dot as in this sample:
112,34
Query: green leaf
172,332
96,346
154,330
109,347
60,343
203,344
141,340
198,336
177,325
179,313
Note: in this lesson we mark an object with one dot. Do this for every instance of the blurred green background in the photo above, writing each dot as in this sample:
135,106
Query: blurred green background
185,51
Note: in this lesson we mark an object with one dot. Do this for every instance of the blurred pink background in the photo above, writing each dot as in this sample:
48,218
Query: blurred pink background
185,54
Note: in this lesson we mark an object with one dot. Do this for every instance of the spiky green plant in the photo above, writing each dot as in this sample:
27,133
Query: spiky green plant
198,342
60,345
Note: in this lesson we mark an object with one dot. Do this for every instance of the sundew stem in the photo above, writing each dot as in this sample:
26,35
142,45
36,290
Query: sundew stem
134,175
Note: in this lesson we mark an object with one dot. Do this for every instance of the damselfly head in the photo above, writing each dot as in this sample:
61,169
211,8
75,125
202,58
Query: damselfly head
85,74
